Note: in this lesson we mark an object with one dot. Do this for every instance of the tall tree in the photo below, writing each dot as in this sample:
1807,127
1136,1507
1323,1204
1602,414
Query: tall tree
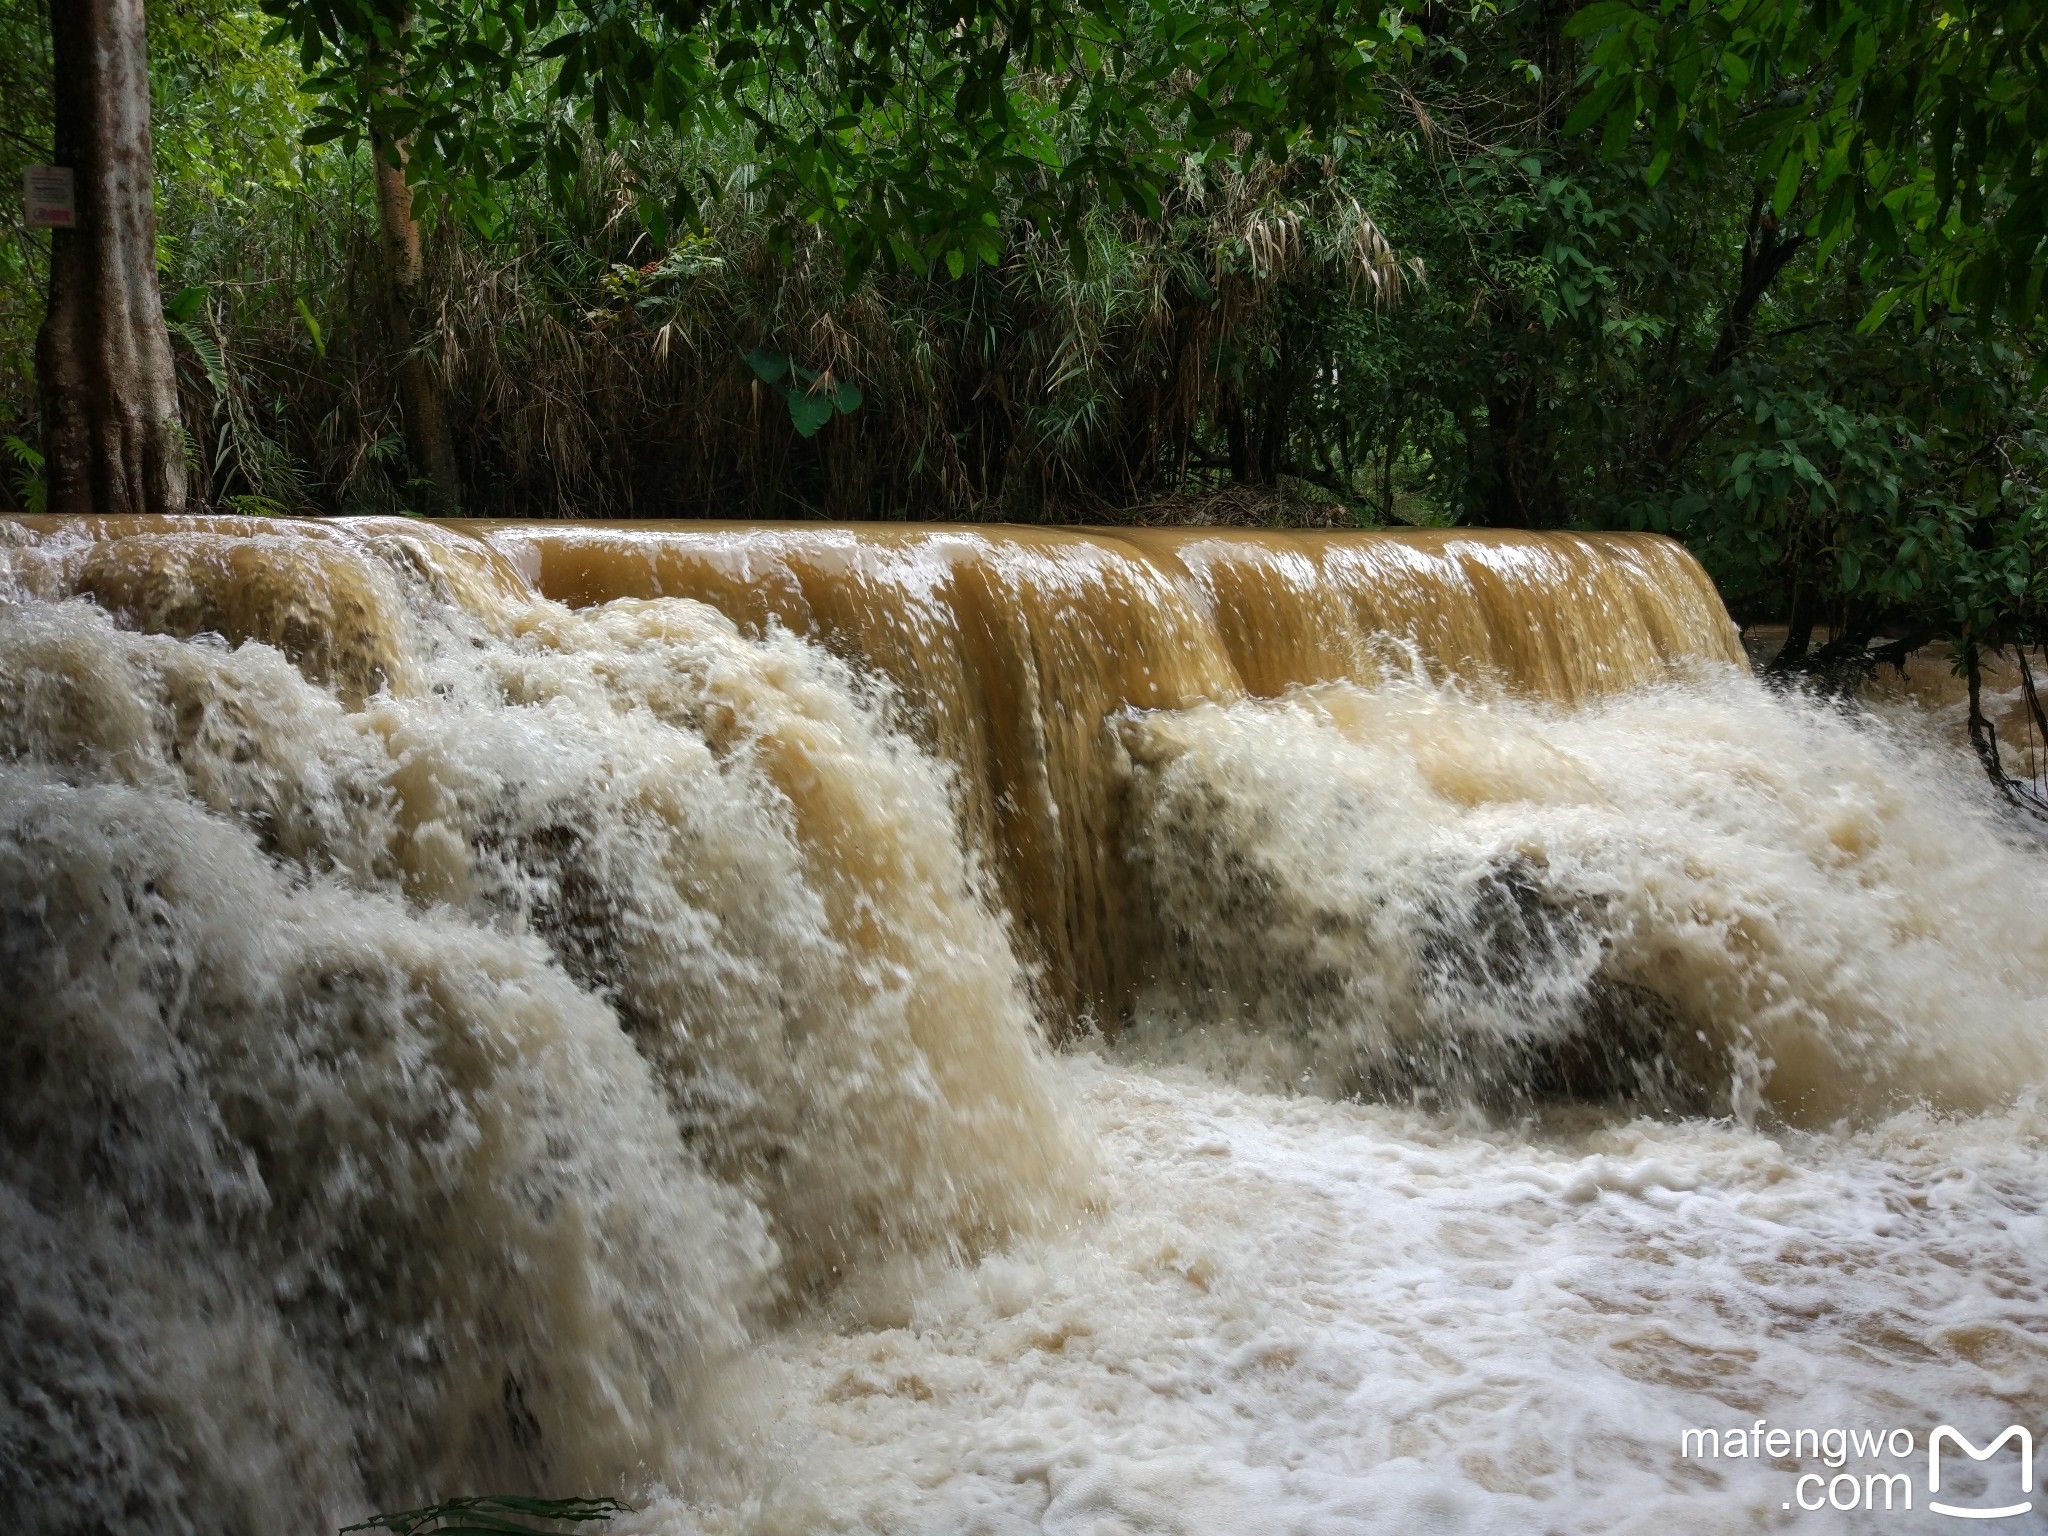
112,438
422,407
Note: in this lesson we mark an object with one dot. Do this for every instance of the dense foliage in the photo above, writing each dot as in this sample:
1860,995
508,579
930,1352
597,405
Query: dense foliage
1762,273
910,134
1917,130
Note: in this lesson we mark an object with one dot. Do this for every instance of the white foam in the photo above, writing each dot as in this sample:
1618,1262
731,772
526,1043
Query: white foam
1701,896
1298,1316
573,1050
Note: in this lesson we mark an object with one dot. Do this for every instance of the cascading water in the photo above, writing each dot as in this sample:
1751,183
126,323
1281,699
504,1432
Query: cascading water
1697,897
564,1008
1011,648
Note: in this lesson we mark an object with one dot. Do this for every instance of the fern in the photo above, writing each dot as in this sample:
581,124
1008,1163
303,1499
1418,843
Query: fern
29,485
241,447
206,349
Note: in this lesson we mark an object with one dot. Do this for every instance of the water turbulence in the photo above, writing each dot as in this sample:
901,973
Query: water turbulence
1010,650
478,1056
508,1006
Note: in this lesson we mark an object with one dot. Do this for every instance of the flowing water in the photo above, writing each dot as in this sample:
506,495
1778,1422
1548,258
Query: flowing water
988,1031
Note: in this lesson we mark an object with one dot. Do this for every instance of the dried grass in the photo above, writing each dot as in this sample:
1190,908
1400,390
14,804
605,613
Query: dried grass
593,375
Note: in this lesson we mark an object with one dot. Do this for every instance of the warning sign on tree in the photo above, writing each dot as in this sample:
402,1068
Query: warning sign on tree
48,194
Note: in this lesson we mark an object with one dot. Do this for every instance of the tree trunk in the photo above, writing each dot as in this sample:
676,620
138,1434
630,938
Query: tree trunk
1278,411
112,439
1387,470
1234,436
1506,504
1791,655
428,441
1766,251
1983,734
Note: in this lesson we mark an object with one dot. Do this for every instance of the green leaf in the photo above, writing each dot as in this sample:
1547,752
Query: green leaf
808,412
1593,107
184,305
1788,184
769,366
312,326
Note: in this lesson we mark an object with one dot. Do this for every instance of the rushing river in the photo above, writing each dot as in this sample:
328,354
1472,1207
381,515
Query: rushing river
963,1031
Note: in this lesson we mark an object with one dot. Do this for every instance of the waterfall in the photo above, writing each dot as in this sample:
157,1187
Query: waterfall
498,1007
1010,649
475,995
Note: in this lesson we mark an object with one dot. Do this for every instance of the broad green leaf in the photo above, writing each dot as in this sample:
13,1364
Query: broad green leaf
185,304
808,412
1788,184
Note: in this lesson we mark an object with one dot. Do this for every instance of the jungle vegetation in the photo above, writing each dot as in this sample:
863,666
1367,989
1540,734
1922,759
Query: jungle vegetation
1764,274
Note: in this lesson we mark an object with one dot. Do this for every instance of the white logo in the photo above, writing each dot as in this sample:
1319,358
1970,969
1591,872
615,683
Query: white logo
1942,1432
